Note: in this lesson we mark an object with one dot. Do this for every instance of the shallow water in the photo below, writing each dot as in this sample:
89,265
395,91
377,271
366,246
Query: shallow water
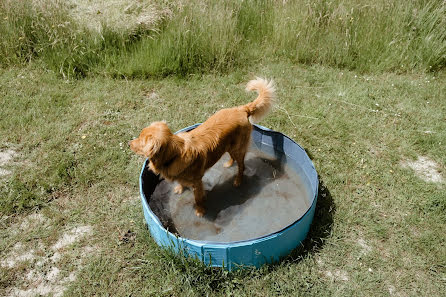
271,197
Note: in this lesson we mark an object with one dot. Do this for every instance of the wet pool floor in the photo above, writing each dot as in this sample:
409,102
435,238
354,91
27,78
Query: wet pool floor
271,197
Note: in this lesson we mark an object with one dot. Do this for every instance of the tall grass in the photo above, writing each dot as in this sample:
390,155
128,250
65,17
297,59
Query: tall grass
383,35
202,36
44,31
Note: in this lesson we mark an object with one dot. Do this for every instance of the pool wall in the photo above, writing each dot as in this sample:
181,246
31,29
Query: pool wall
254,252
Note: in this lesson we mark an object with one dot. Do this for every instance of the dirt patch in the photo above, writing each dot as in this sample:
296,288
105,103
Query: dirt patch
18,256
425,168
365,248
45,276
338,275
71,237
32,221
29,223
42,285
6,157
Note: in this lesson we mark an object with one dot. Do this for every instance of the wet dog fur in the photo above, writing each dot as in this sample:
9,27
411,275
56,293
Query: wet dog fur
185,157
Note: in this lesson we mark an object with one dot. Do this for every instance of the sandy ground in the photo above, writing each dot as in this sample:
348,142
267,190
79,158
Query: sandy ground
425,168
6,157
41,274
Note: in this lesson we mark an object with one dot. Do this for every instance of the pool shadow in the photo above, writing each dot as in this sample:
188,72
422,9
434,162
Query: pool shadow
322,224
223,201
225,196
320,228
314,242
220,198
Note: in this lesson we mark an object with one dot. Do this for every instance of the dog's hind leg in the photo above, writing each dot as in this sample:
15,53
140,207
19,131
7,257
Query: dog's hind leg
238,153
199,198
239,157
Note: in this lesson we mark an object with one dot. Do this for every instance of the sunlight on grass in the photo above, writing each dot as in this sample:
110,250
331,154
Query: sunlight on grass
373,213
152,38
360,86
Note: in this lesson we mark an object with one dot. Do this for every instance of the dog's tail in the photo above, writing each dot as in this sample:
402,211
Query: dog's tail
258,109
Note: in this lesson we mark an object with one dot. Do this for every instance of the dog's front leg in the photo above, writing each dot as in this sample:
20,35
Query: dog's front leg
199,198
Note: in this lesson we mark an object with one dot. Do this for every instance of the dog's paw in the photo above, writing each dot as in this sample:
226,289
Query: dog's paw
228,163
237,182
199,211
178,189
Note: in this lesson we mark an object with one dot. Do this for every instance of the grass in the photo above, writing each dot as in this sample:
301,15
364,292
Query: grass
156,39
360,86
75,165
199,38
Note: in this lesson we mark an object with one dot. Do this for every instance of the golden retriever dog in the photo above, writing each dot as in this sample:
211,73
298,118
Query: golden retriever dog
185,157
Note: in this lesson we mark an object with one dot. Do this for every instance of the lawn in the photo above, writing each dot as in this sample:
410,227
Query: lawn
70,216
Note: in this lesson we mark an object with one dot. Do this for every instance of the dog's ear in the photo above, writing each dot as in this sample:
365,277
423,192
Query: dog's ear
153,139
152,147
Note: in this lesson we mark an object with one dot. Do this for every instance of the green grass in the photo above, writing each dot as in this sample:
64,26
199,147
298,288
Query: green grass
201,37
361,86
357,128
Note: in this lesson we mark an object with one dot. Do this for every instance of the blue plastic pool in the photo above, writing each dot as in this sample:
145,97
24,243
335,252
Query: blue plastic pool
250,252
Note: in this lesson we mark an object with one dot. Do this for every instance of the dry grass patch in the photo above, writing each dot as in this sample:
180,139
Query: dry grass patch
6,158
425,168
120,15
41,270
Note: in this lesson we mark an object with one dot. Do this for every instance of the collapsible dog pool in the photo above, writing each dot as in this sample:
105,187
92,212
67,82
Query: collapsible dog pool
259,222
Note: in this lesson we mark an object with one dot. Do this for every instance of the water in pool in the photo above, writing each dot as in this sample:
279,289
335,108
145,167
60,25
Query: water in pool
271,197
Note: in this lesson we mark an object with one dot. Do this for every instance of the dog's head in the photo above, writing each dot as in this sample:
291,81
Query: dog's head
151,140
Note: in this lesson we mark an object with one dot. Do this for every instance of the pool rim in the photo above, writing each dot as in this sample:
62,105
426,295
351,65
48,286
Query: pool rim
239,242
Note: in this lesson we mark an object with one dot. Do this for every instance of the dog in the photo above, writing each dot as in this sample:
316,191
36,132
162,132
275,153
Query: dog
185,157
